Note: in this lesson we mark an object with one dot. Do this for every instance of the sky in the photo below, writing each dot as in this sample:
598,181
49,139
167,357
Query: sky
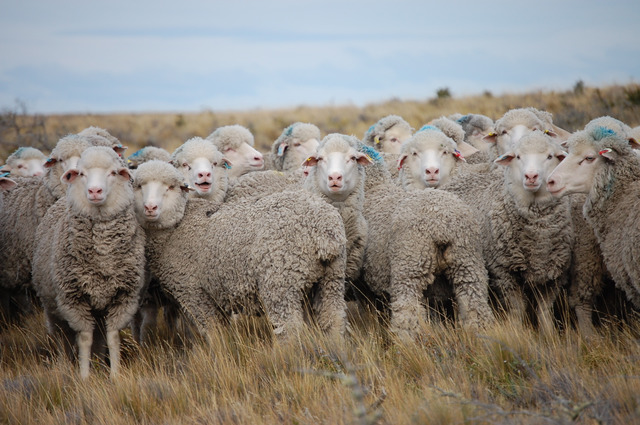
87,56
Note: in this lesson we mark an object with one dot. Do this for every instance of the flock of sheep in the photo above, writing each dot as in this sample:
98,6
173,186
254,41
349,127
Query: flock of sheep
465,211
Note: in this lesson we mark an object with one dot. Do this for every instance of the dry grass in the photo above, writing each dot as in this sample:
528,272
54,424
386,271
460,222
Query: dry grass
571,109
507,374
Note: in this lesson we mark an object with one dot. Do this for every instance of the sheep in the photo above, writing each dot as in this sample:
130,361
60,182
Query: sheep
236,144
430,159
25,162
388,134
601,164
296,143
100,137
197,159
528,236
476,127
516,123
256,255
23,209
147,154
336,174
635,133
412,238
88,264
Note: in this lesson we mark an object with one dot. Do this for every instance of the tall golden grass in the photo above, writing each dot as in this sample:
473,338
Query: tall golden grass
506,374
572,109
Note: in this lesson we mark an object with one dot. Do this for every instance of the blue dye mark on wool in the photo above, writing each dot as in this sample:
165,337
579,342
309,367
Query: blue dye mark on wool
600,133
4,175
289,130
427,127
371,152
370,129
136,154
463,119
19,151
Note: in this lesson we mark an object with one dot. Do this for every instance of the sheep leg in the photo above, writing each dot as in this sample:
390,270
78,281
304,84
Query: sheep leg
584,313
407,310
470,282
283,305
85,339
329,304
113,342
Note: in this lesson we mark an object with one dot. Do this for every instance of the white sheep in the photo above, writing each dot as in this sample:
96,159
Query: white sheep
145,154
236,144
602,164
197,159
266,255
388,134
23,209
413,238
25,162
476,127
88,264
528,234
296,143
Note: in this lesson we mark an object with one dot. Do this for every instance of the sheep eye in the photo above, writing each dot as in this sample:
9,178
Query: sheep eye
517,156
394,139
550,156
415,154
590,158
20,166
296,145
171,187
113,173
504,131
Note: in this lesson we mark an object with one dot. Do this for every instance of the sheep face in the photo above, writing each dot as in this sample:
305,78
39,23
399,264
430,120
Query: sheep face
92,183
429,160
160,196
577,172
391,141
514,125
336,168
298,149
201,173
244,159
529,163
26,162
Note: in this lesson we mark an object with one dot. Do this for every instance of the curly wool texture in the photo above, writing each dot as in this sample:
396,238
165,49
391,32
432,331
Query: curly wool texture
450,128
611,208
381,127
412,237
146,154
23,209
610,123
259,184
256,255
231,137
298,131
475,122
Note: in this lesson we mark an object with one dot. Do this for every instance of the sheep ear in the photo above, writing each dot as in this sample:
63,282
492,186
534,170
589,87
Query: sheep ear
491,137
50,162
634,143
119,149
562,155
283,147
559,133
186,188
124,172
6,168
466,149
226,163
401,160
7,184
505,159
310,162
70,176
608,154
363,159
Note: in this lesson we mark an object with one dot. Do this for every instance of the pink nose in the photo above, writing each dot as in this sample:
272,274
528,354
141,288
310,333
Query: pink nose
551,183
150,208
432,171
532,175
202,175
335,177
95,191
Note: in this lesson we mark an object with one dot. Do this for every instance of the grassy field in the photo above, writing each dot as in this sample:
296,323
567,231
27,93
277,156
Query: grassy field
572,109
505,374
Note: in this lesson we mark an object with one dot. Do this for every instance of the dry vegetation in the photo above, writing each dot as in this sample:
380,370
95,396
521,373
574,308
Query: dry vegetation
571,109
507,374
503,375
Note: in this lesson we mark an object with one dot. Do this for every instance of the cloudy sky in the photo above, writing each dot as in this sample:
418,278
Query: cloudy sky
134,56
